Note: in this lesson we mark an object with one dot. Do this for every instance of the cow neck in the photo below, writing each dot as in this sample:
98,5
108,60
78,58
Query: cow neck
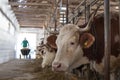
80,59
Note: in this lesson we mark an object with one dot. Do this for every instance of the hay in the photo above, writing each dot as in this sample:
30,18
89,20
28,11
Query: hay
47,73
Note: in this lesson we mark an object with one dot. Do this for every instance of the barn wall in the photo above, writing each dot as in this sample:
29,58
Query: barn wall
8,32
7,40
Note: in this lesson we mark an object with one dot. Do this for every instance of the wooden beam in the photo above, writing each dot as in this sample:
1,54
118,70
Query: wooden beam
25,15
29,3
39,17
26,12
31,26
30,9
31,21
31,18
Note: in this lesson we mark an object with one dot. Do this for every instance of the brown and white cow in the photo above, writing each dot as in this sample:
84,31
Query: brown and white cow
47,52
75,47
48,56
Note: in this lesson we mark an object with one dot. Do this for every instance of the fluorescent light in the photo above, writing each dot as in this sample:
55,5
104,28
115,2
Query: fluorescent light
63,8
116,7
20,0
62,12
62,21
62,18
20,6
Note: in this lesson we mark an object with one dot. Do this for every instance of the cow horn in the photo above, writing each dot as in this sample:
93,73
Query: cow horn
88,26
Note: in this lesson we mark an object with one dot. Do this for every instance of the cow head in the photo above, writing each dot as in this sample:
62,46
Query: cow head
40,51
51,41
70,43
50,51
49,56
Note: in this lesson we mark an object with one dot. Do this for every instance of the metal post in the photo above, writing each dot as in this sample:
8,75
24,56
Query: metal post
55,24
63,18
119,21
107,36
67,11
87,13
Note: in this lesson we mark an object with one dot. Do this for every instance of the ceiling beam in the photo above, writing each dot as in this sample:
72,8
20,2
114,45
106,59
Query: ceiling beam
31,13
31,21
28,12
37,15
29,9
31,18
31,26
29,3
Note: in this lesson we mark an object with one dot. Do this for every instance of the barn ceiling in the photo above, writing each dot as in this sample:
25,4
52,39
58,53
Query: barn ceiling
37,13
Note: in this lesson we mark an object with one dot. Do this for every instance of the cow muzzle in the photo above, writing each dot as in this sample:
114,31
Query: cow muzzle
56,66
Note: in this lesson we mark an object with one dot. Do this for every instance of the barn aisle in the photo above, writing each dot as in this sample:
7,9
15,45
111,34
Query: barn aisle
30,69
17,70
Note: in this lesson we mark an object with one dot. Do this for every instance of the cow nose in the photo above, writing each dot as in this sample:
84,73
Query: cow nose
56,65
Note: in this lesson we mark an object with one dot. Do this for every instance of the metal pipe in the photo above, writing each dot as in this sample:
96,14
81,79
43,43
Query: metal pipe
119,21
67,11
63,18
92,3
87,12
107,39
55,29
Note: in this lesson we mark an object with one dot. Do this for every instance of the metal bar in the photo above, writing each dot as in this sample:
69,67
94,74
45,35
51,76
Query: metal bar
67,11
119,22
92,3
88,11
85,11
63,19
107,36
55,29
82,2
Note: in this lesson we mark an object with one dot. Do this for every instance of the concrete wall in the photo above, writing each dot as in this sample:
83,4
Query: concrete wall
8,32
7,46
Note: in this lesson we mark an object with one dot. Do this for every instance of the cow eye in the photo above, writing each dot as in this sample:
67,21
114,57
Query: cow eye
72,43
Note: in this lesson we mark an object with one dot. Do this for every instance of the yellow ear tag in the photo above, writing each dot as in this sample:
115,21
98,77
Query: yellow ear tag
86,43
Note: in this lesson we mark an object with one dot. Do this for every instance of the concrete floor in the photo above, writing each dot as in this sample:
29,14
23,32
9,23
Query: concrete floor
17,70
29,69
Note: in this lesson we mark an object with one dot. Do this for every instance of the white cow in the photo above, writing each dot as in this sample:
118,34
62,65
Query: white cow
48,56
74,45
46,51
70,44
40,52
69,53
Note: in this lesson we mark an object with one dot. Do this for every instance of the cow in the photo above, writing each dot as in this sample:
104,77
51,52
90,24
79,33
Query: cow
40,52
77,46
46,52
48,56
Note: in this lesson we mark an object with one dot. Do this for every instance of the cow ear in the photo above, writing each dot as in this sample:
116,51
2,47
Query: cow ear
86,40
51,41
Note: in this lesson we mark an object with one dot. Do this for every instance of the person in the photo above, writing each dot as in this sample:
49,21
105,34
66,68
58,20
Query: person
25,43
